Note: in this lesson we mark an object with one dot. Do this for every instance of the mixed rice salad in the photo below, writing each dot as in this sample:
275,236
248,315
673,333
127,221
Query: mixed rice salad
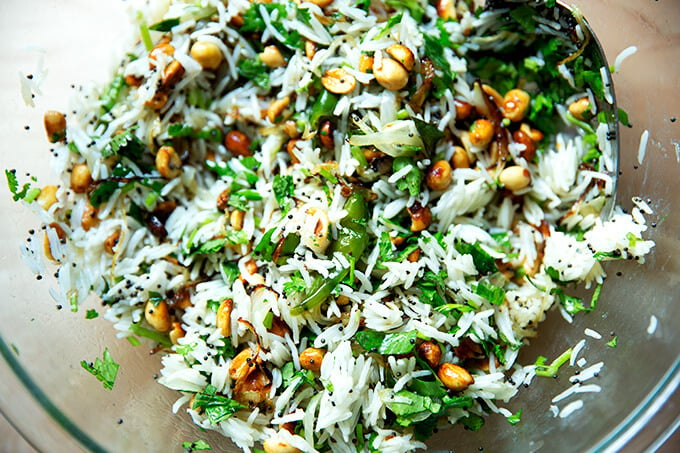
338,221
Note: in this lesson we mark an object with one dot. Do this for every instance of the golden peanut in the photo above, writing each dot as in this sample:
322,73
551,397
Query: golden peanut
481,133
326,135
162,47
207,54
338,81
133,81
413,256
290,148
516,104
81,178
290,128
172,74
493,94
274,444
439,176
460,158
111,242
158,316
529,151
158,101
402,54
224,317
176,332
236,219
271,56
446,9
222,202
463,109
321,3
515,178
310,49
430,352
580,109
55,126
276,108
421,217
366,63
342,300
534,134
240,364
89,219
238,143
47,197
311,358
168,162
390,74
454,377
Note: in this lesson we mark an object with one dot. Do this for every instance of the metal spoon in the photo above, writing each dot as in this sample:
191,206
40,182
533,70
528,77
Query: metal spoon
577,30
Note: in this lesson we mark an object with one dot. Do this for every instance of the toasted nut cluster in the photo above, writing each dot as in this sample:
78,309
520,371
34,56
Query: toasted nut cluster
390,74
158,316
529,151
168,162
236,219
81,178
310,49
47,197
275,444
516,104
366,63
338,81
481,133
207,54
314,232
534,134
311,358
111,242
224,317
276,108
515,178
238,143
240,364
402,54
463,109
176,332
493,94
580,109
454,377
172,74
446,9
421,217
460,158
89,219
439,176
271,56
430,352
158,101
55,126
326,135
413,256
163,47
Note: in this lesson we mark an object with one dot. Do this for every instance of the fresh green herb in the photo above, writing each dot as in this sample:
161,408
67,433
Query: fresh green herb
221,168
196,445
623,118
490,292
575,305
551,370
211,246
134,341
391,22
415,405
165,25
226,350
155,298
109,97
185,349
429,134
91,314
104,370
255,70
296,285
284,189
184,130
145,35
387,343
484,263
288,375
266,247
515,418
525,17
125,144
268,320
432,288
239,237
413,6
230,272
213,305
26,191
434,50
216,407
253,22
153,335
412,180
328,175
448,308
472,422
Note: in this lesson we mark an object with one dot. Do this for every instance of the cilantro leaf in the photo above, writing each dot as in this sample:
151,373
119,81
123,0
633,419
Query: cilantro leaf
429,134
613,342
391,22
216,407
413,6
125,144
490,292
525,17
472,422
413,179
197,445
387,343
91,314
296,285
104,370
266,247
255,70
184,130
231,272
110,96
165,25
515,418
551,370
283,187
484,263
27,193
288,375
434,50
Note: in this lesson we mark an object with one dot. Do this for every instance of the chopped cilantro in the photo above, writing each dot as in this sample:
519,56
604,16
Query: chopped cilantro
17,194
288,375
490,292
91,314
216,407
613,342
623,118
551,370
484,263
515,418
391,22
296,285
412,180
230,272
185,349
109,97
413,6
255,70
126,144
104,370
153,335
184,130
165,25
266,247
472,422
387,343
284,188
525,16
197,445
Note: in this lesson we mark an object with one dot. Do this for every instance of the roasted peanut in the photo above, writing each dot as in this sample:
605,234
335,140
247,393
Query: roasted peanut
182,298
290,148
238,143
275,444
580,109
430,352
172,74
460,158
222,202
207,54
390,74
290,129
158,101
162,47
310,49
326,135
413,256
81,178
515,178
516,104
446,9
402,54
493,94
342,300
321,4
168,162
47,197
439,176
240,364
365,63
311,358
111,242
276,108
55,126
534,134
421,217
271,56
133,81
89,219
224,317
454,377
481,133
463,109
176,332
158,316
236,219
529,151
338,81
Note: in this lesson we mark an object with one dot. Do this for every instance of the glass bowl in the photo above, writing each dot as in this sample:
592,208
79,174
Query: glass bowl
57,406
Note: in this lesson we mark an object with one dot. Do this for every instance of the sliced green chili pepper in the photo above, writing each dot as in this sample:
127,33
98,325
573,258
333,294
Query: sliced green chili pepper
324,106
